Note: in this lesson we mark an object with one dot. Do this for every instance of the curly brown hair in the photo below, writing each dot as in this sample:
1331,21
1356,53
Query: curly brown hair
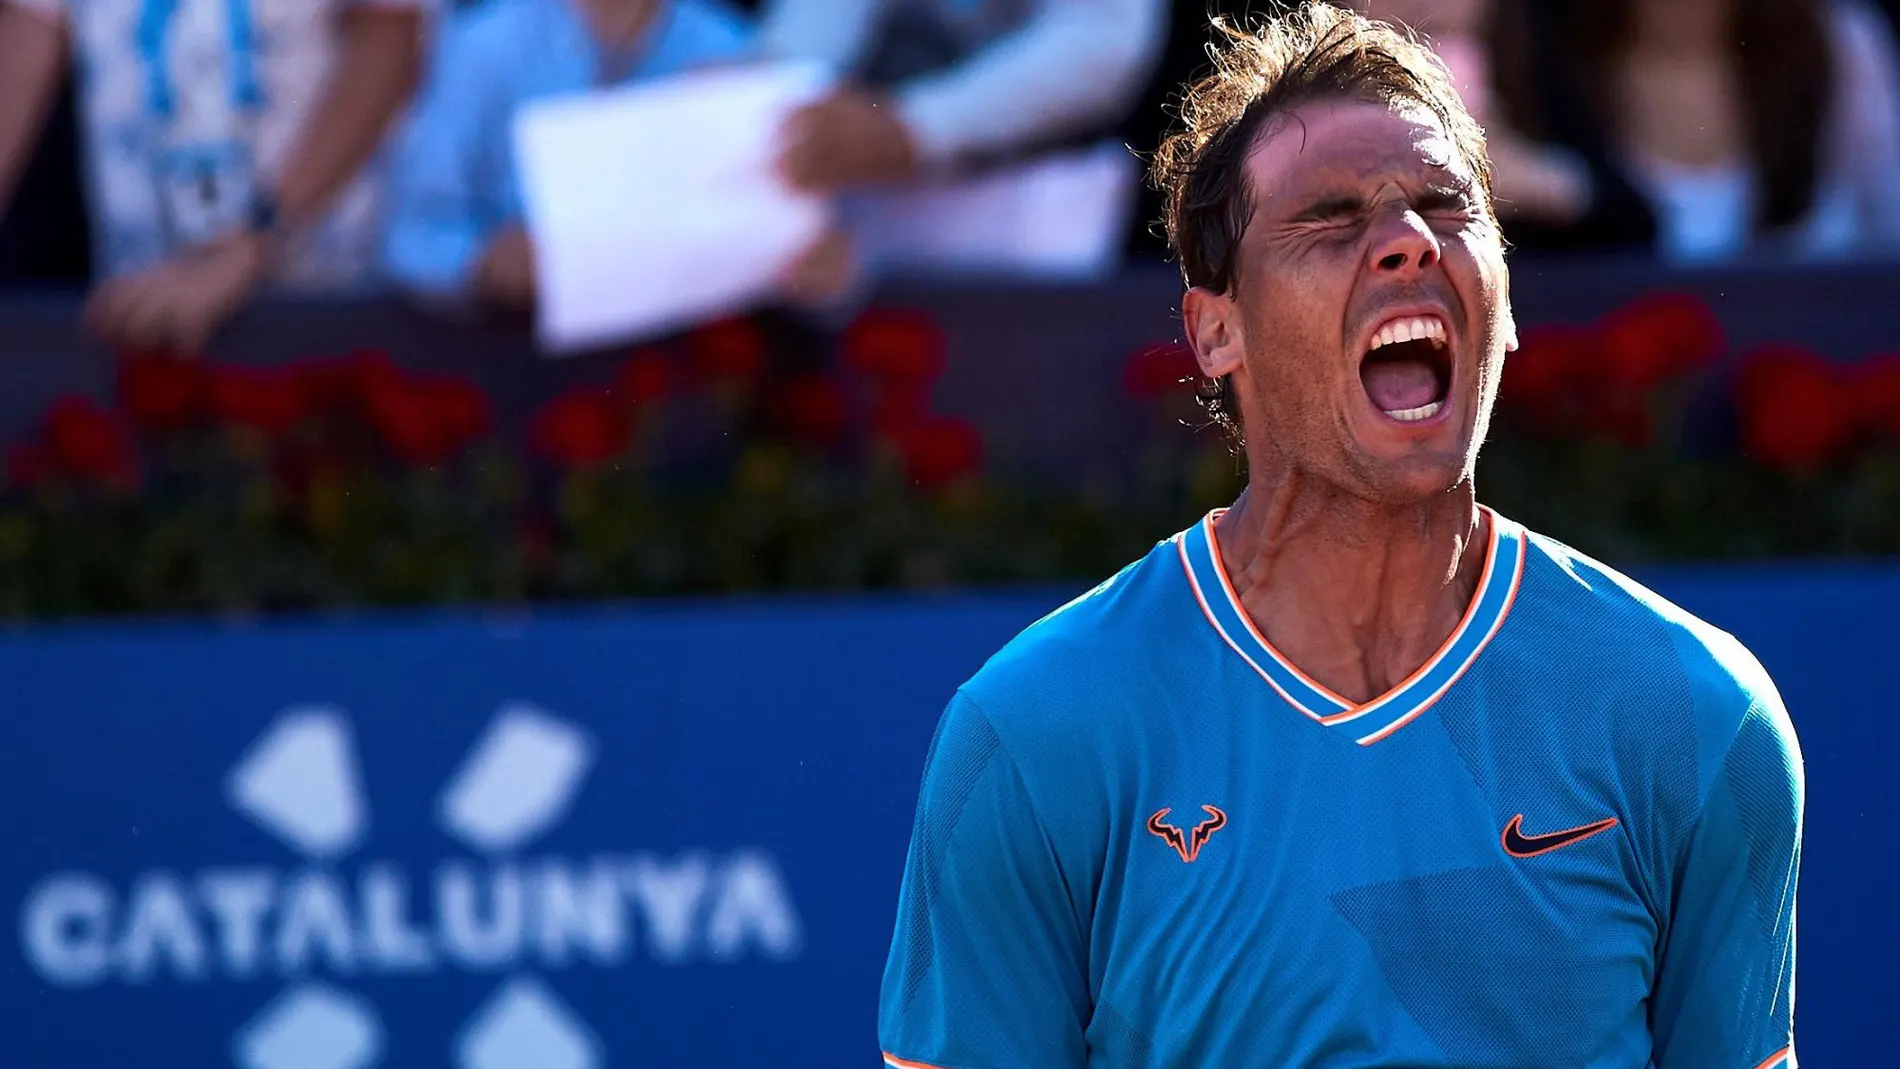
1311,52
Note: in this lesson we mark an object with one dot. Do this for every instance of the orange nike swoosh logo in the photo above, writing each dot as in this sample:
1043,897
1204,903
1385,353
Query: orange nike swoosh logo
1517,844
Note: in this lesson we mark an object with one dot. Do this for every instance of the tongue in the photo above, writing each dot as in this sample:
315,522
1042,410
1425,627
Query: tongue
1397,385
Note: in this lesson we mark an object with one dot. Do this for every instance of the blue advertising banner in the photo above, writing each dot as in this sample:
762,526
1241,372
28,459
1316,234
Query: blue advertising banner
652,836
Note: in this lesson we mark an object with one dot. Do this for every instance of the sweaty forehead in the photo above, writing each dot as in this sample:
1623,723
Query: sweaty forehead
1346,144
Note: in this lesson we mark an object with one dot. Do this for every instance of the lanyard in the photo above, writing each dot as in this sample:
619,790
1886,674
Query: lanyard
156,18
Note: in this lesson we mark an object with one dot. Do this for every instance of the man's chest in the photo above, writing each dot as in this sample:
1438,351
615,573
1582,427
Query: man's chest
1286,899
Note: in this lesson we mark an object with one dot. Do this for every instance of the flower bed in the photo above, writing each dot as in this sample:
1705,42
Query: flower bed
724,461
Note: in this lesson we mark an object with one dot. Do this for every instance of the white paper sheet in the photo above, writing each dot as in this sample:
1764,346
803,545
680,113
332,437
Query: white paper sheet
1055,217
658,205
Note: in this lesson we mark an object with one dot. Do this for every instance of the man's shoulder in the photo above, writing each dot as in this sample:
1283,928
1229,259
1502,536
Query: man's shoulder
1602,614
1096,652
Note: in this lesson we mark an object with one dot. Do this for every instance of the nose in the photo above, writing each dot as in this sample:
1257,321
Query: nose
1403,246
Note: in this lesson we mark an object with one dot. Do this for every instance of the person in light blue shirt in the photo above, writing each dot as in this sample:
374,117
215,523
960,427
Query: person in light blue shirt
455,227
1357,773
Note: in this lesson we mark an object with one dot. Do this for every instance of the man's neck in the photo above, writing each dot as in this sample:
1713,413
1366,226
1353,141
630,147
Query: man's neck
1357,595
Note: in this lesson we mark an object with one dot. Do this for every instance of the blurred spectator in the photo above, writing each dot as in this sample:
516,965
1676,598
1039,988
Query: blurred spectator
1540,184
963,79
456,229
951,91
1713,127
226,144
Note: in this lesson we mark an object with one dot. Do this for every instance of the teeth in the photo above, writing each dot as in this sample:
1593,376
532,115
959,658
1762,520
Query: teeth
1416,328
1413,415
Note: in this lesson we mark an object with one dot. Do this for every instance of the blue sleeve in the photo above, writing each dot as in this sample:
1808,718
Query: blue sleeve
447,193
1724,992
988,967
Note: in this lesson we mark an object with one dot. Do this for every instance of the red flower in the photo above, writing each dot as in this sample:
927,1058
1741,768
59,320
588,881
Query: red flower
940,450
81,438
1158,370
1646,343
813,409
580,429
894,345
354,379
457,406
265,399
646,377
329,381
402,419
159,392
1549,368
1796,410
731,350
1877,391
426,419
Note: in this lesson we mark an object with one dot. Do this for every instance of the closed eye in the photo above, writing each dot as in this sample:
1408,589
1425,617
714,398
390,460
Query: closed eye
1440,201
1342,209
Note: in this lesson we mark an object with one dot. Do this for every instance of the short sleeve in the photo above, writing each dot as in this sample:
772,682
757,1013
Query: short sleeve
987,968
1724,994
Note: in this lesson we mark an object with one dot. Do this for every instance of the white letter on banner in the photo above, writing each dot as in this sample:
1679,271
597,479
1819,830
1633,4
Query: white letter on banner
63,927
463,934
389,939
587,913
753,905
669,898
315,914
239,899
158,921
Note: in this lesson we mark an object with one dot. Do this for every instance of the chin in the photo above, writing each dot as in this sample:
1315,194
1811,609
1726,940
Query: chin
1412,479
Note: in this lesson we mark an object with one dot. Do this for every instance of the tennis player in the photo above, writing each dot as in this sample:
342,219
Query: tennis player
1356,773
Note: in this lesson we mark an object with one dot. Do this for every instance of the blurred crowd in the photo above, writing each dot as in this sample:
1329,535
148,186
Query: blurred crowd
180,157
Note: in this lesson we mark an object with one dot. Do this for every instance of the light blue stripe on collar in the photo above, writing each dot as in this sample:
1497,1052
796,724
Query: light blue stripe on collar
1380,717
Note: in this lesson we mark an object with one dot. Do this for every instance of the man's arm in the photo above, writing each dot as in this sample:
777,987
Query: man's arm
380,64
179,303
1075,62
32,57
1724,991
988,966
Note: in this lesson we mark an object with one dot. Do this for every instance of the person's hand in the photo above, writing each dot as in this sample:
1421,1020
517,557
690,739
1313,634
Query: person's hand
178,304
505,273
850,138
824,272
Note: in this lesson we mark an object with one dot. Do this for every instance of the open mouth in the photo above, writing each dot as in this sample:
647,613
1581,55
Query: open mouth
1407,371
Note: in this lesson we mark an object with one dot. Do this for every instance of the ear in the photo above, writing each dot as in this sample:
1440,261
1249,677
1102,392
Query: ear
1214,332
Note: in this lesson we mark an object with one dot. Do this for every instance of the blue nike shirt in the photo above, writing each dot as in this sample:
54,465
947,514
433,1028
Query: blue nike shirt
1569,841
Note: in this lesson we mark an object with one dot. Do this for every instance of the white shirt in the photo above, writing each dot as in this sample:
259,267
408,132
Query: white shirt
187,104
